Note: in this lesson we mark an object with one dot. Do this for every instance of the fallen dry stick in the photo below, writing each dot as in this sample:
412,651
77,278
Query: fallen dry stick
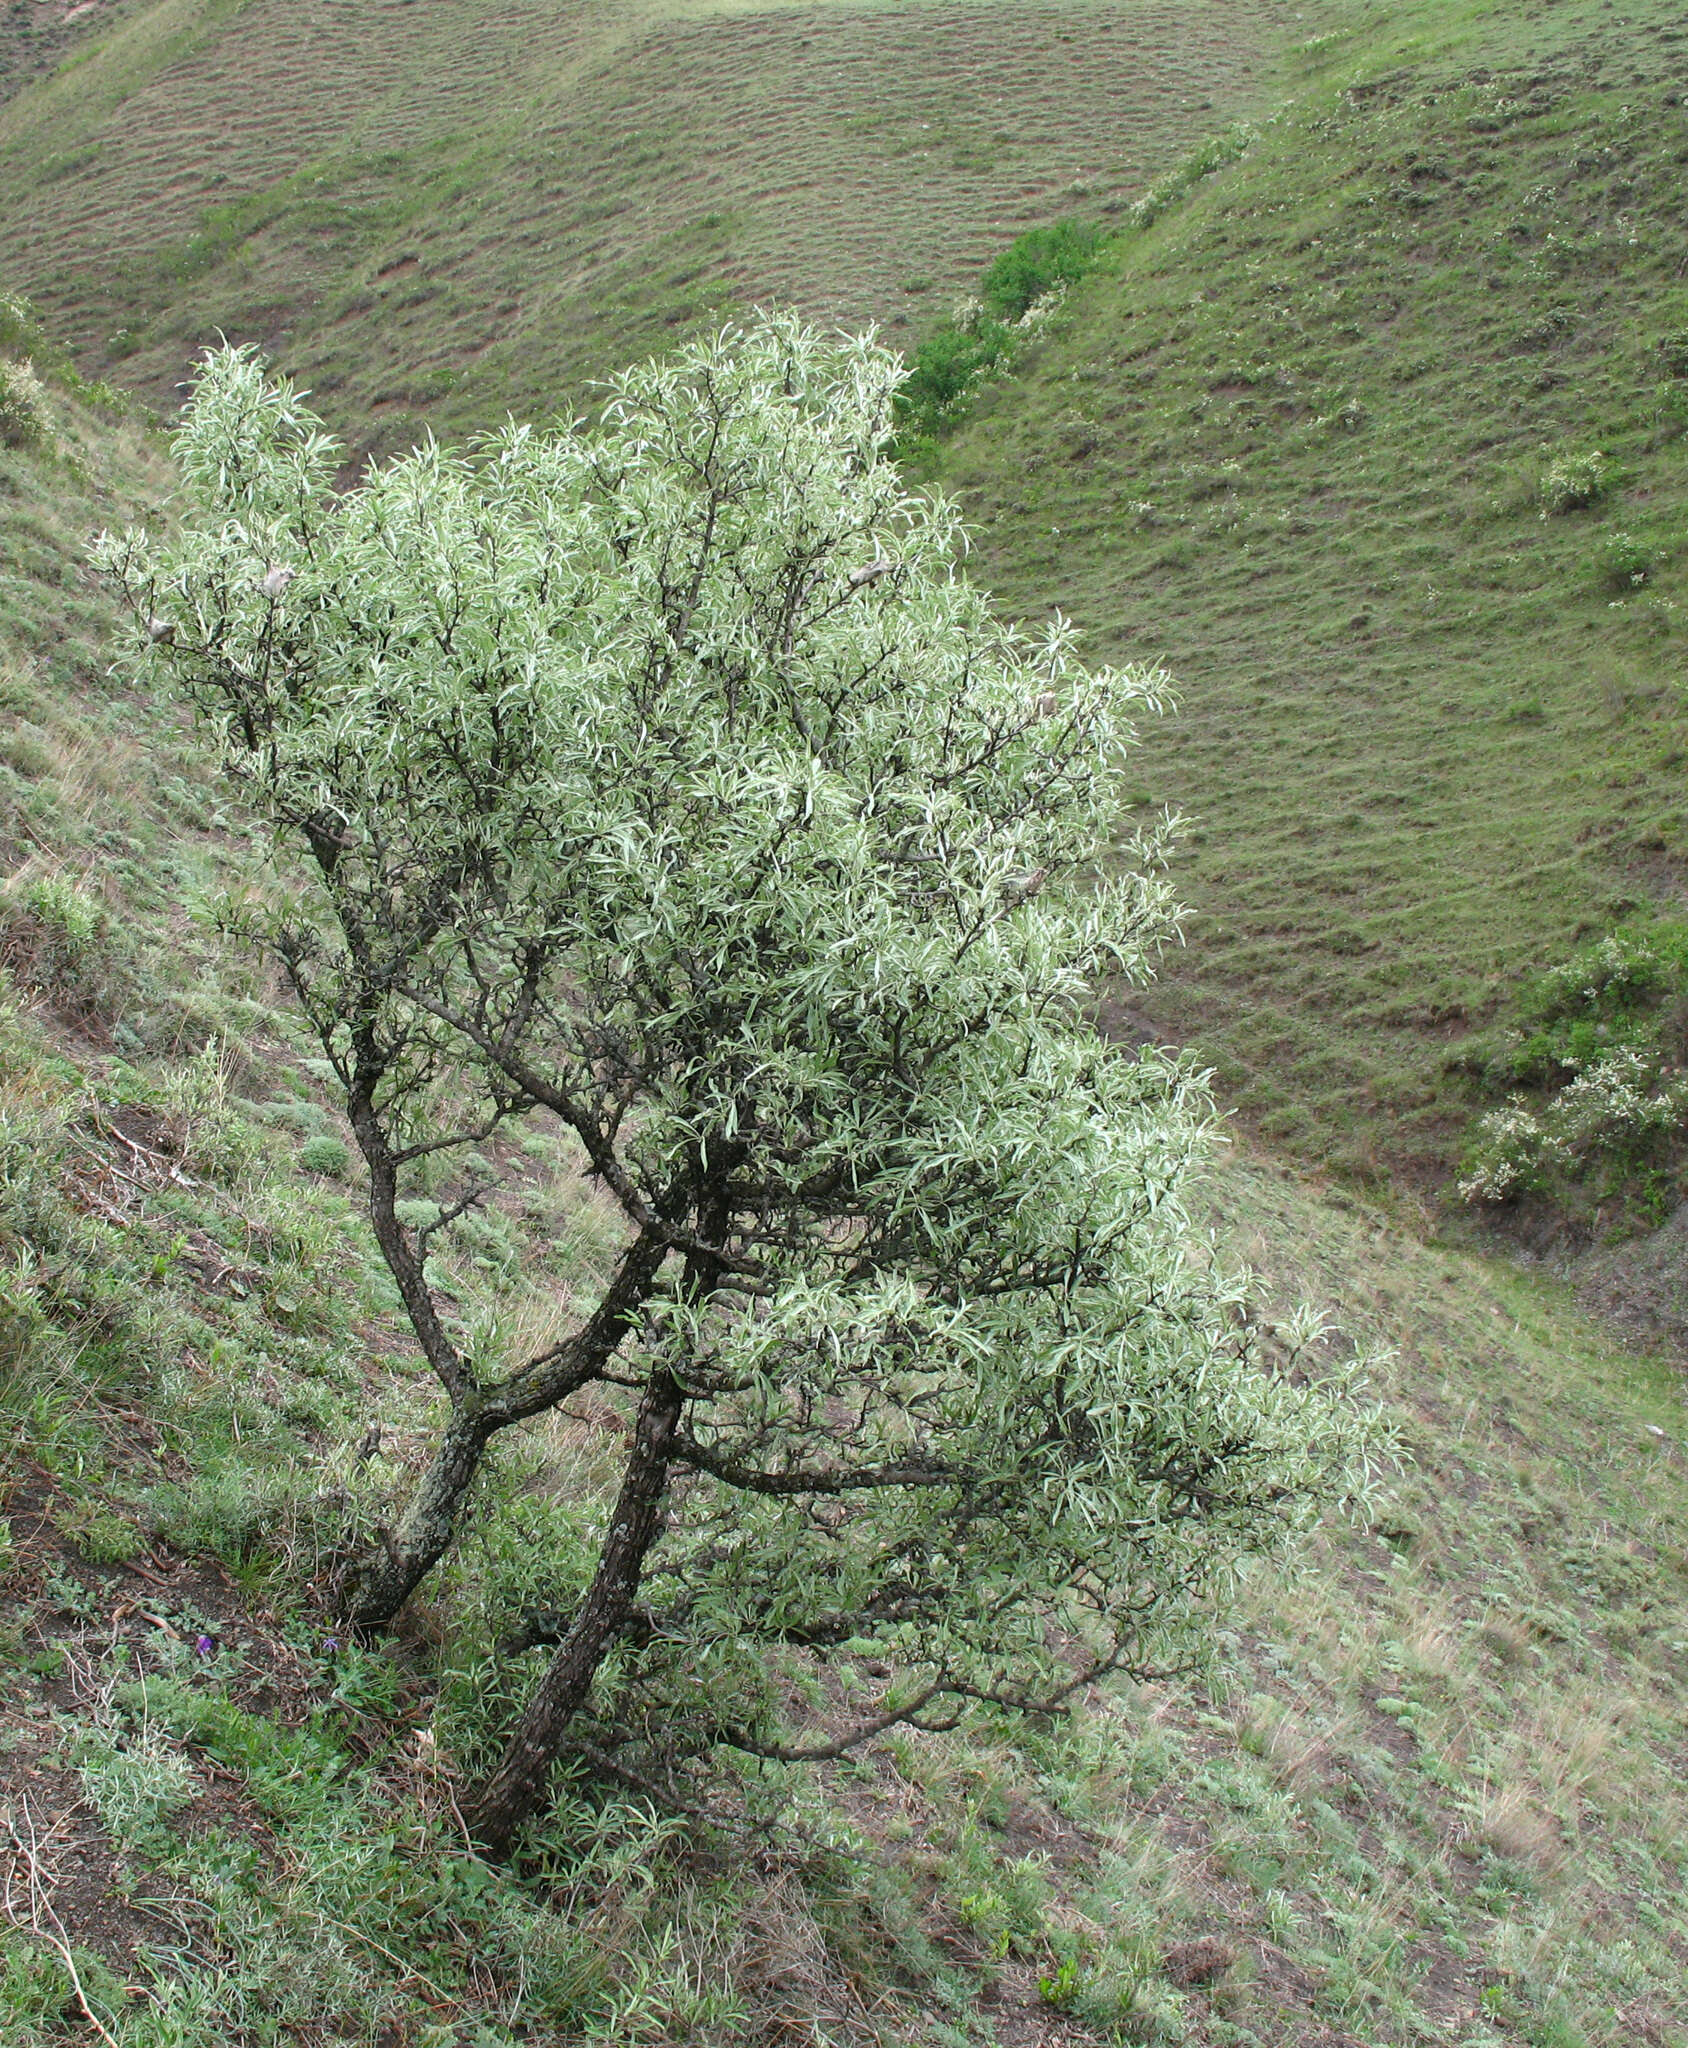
42,1920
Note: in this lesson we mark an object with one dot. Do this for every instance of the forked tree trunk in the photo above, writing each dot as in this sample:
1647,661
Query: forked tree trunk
379,1584
520,1783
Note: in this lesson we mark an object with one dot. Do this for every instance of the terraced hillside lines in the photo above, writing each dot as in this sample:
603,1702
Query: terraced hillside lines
1294,441
458,208
35,35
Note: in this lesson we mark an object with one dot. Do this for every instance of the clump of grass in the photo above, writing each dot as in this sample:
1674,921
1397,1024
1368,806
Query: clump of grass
57,940
99,1534
133,1784
325,1154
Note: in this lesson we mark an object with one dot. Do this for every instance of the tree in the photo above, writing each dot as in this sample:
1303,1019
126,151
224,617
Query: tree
668,776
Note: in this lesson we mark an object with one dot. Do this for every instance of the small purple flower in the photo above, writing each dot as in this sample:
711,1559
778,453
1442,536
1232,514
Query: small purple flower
205,1645
329,1645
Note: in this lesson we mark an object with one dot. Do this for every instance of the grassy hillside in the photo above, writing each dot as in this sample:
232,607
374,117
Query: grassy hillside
37,35
1430,1790
1296,439
1299,441
450,209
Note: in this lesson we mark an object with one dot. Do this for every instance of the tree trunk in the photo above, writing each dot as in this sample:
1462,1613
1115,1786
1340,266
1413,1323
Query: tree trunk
519,1784
379,1584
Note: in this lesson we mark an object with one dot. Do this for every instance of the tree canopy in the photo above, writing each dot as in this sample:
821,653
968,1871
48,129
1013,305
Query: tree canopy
666,774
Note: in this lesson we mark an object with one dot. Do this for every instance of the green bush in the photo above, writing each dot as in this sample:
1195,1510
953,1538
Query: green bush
983,336
1625,560
1625,990
18,329
1600,1042
947,366
325,1155
305,1119
134,1785
1041,261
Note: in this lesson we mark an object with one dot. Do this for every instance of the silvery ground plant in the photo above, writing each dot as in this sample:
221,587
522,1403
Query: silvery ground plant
666,775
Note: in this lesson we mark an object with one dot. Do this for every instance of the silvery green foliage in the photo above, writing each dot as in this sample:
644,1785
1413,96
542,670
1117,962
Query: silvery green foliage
1619,1100
669,773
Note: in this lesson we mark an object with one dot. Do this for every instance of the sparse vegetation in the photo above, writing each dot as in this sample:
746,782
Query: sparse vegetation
456,209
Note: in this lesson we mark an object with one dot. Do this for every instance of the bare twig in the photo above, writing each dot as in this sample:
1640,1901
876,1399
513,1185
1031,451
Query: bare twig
42,1921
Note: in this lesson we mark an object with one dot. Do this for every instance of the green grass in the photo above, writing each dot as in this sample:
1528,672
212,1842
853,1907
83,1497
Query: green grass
1293,441
437,212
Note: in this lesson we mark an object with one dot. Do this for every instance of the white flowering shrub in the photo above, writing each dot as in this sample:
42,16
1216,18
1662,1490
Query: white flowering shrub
1601,1043
1211,156
670,776
1626,560
1574,479
25,419
1612,1107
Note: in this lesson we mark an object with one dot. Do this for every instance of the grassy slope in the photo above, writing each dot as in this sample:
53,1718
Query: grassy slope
453,208
1432,1790
36,35
1290,442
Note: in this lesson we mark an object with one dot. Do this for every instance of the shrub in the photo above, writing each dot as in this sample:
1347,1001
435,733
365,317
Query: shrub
1213,155
1574,480
777,883
325,1155
1625,560
1041,261
24,418
1614,1107
948,366
18,329
982,337
1602,1038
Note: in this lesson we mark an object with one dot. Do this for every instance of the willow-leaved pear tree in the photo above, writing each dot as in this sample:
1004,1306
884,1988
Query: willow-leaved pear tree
665,774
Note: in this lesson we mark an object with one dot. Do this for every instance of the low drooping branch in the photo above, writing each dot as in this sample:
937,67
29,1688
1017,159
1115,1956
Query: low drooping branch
826,1752
808,1480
